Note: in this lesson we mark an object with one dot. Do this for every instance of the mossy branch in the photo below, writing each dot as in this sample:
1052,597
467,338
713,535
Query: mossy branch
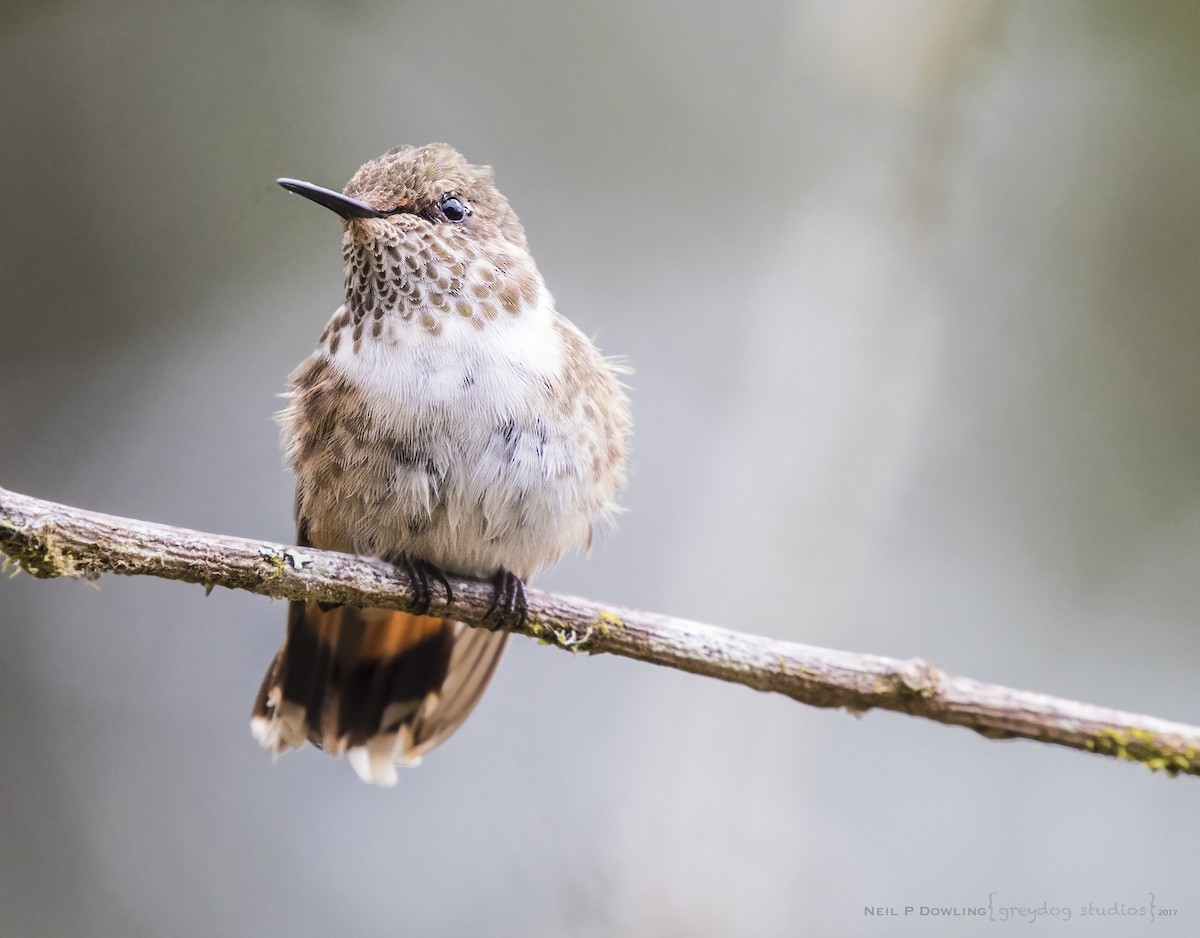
50,540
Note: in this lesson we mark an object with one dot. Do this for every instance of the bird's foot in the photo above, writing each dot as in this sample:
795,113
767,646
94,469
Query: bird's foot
421,576
508,609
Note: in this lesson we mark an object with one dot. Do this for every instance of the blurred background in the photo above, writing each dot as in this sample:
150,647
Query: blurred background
910,289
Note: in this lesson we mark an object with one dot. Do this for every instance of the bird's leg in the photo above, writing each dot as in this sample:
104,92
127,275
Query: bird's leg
508,609
421,576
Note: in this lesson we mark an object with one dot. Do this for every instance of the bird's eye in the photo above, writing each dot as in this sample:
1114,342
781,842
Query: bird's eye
453,208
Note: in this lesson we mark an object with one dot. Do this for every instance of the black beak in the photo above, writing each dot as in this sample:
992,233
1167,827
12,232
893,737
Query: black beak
335,201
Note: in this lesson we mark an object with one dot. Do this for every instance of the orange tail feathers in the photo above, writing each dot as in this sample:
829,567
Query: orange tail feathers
379,686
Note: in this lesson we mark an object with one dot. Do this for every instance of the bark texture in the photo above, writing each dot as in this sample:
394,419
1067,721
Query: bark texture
47,539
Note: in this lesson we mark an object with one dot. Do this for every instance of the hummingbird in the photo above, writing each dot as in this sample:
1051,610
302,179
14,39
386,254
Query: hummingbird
450,420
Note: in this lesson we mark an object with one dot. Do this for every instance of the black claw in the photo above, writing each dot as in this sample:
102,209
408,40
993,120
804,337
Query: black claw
422,595
421,574
438,574
508,608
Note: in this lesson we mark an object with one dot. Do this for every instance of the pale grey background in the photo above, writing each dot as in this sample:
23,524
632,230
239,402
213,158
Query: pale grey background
911,293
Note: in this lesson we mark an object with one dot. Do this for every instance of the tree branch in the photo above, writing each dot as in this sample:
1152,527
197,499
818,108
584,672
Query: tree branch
49,540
